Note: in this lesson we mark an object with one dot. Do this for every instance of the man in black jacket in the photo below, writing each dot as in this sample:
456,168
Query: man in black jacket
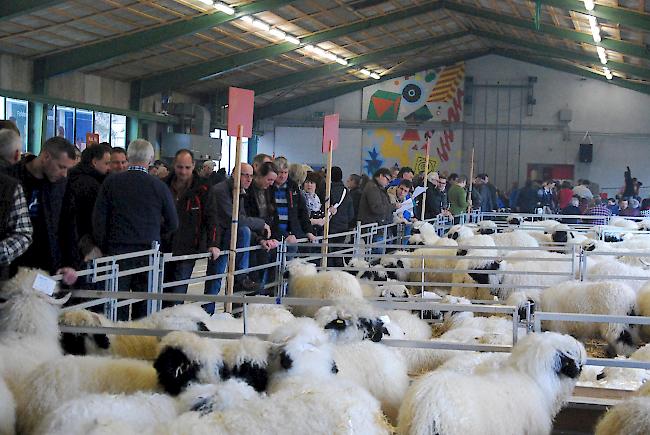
84,181
44,182
197,231
343,213
131,211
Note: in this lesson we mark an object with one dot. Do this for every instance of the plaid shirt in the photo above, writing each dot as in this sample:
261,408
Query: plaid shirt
19,230
599,210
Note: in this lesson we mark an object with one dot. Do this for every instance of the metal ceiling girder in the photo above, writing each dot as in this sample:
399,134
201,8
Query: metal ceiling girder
173,79
107,49
12,9
563,53
265,86
622,47
527,57
624,16
277,108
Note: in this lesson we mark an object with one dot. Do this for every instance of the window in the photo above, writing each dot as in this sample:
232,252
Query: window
65,122
103,126
49,130
16,111
118,131
2,107
228,149
83,126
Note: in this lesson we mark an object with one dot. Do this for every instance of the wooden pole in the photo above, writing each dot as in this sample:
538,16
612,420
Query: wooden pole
471,182
426,181
234,225
328,189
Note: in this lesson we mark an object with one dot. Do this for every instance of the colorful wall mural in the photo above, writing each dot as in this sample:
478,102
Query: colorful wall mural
434,95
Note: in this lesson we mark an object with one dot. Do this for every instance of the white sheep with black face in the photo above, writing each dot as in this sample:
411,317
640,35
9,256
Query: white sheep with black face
306,282
29,330
472,247
523,395
460,232
427,234
351,320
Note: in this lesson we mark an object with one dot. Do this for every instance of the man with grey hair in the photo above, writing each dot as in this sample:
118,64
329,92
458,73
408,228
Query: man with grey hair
132,210
10,144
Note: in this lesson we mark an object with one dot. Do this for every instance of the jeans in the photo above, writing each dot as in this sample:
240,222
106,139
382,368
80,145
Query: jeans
178,271
218,266
138,282
408,230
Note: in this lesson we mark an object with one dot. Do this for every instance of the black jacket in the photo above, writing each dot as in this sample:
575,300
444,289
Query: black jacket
197,224
355,195
527,201
220,202
436,201
252,209
340,222
299,224
84,182
132,210
59,234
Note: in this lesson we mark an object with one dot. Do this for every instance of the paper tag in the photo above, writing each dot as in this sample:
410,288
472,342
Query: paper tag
385,319
44,284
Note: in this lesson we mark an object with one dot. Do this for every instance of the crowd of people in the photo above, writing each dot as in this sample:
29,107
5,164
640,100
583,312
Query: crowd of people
62,209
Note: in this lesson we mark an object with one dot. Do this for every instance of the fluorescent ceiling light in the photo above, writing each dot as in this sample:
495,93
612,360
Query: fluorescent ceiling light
365,72
224,8
261,25
248,19
595,29
341,61
329,55
319,51
375,76
608,73
277,33
589,5
207,2
292,39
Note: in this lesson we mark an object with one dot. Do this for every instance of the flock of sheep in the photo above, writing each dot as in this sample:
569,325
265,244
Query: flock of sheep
332,368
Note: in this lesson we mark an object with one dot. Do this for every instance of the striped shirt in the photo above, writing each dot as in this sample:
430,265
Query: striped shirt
282,208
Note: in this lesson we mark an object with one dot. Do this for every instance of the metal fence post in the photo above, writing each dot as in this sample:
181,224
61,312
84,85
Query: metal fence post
357,239
114,287
281,259
152,278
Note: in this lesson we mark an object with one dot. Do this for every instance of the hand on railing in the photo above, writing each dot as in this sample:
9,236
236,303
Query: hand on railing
215,252
312,238
69,275
291,239
269,244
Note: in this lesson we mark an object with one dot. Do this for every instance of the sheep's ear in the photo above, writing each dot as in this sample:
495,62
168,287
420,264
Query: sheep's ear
253,374
201,326
285,360
175,370
73,344
590,247
626,338
337,324
600,376
454,236
569,367
461,252
102,341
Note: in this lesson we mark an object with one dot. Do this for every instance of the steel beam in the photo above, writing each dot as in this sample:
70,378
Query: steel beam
106,49
622,47
280,107
552,51
178,77
265,86
559,66
624,16
14,8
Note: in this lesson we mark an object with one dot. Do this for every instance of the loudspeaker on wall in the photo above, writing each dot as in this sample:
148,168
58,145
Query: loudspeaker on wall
586,153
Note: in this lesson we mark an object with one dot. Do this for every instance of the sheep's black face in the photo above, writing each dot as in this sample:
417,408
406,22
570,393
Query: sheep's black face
590,247
391,275
175,370
200,326
285,360
366,275
453,235
75,344
335,368
253,374
379,276
486,231
611,238
625,338
374,328
522,310
569,367
484,278
560,236
514,221
461,252
337,324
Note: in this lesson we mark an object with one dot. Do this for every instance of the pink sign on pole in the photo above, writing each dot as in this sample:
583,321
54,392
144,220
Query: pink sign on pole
330,132
240,111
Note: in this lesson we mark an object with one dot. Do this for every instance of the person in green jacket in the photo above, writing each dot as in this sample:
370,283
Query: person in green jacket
457,196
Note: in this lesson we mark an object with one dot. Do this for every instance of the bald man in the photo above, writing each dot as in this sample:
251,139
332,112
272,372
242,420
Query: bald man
221,203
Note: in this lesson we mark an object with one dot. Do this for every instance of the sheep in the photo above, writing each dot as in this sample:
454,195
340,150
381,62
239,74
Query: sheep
487,228
594,297
247,360
412,326
636,277
427,234
69,377
490,263
629,417
351,320
459,232
398,260
185,317
305,282
524,394
444,247
562,233
514,239
29,332
7,408
643,308
475,362
260,319
621,222
139,412
186,358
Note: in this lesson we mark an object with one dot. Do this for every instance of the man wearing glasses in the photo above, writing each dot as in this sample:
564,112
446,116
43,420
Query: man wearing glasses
375,205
